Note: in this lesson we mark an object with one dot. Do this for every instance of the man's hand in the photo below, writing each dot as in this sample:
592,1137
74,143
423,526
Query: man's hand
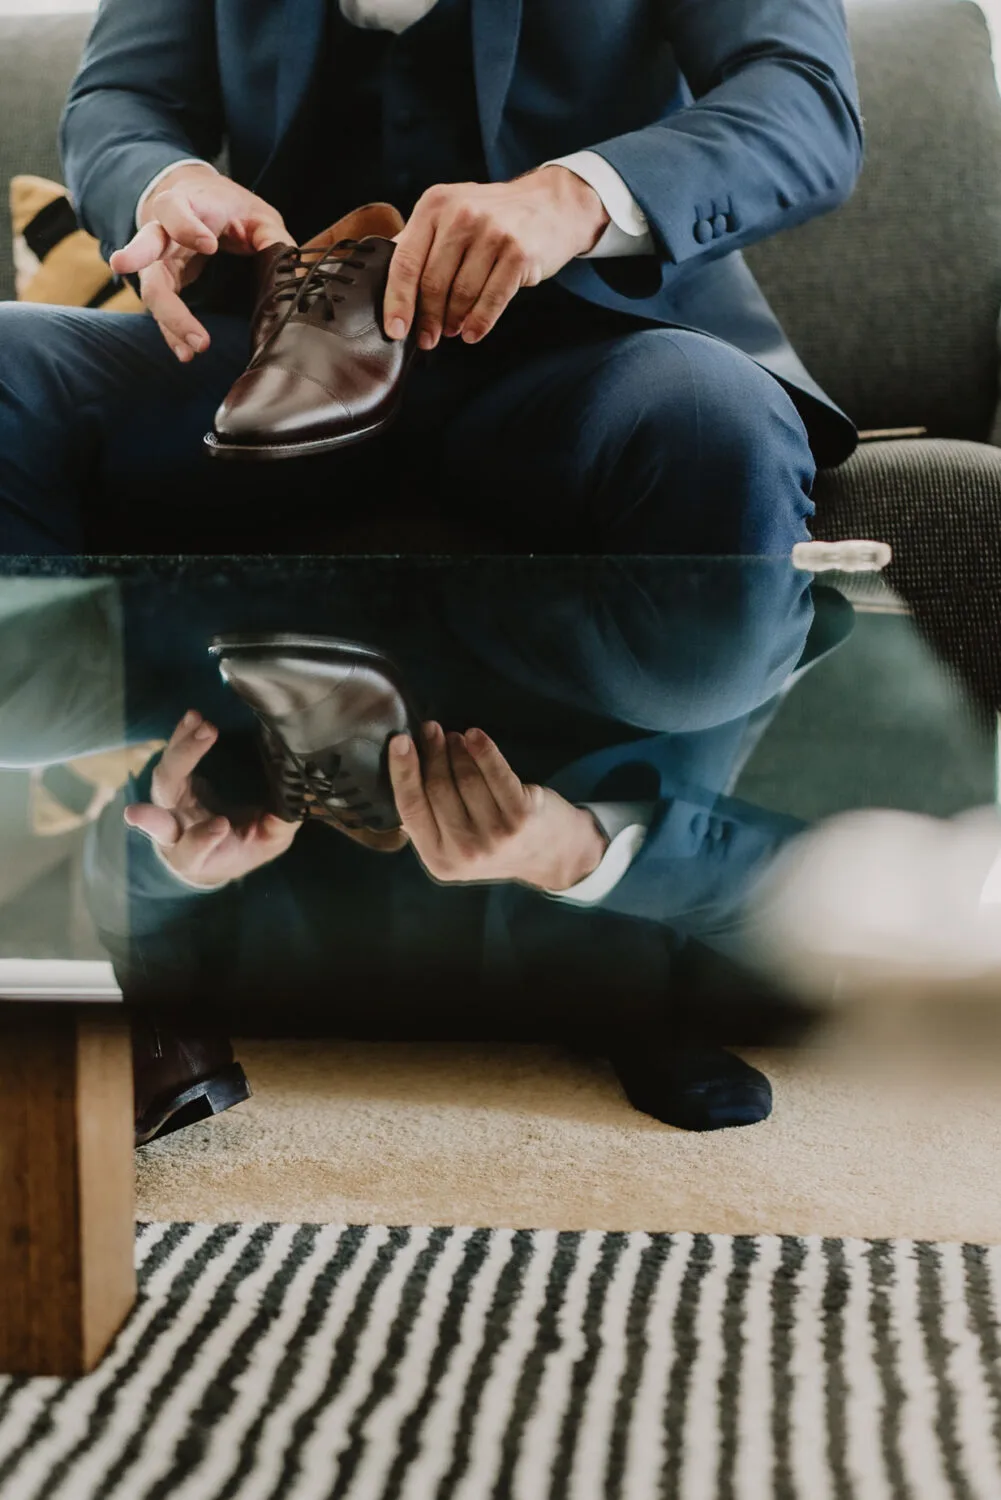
193,213
470,818
203,849
468,247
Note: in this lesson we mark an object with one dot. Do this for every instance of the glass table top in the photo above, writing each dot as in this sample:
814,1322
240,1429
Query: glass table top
651,773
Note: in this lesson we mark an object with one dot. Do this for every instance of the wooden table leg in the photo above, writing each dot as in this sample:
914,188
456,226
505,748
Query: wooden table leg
67,1216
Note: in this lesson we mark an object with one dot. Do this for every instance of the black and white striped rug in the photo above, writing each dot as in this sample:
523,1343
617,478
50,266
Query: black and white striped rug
311,1362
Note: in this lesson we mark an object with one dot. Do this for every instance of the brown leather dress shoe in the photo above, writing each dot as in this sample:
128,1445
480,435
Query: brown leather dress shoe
327,709
181,1078
323,374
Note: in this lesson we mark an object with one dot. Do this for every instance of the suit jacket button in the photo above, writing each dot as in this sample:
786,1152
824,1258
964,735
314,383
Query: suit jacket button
703,231
720,225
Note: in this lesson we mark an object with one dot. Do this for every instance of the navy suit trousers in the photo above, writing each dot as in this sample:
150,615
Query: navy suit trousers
569,428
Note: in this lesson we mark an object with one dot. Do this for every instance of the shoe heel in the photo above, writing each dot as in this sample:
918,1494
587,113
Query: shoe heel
227,1087
210,1097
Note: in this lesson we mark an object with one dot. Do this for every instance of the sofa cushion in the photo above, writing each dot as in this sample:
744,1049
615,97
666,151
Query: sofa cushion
892,301
38,57
54,259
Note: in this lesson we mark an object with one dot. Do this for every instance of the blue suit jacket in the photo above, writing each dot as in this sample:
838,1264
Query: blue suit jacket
728,119
690,880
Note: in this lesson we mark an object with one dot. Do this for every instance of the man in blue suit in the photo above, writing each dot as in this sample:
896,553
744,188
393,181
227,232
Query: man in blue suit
578,185
573,848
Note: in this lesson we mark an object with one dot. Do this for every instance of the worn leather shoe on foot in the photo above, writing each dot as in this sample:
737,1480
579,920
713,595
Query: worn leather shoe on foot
181,1078
323,374
327,710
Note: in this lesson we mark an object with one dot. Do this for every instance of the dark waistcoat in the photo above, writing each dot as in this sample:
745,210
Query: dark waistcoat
389,116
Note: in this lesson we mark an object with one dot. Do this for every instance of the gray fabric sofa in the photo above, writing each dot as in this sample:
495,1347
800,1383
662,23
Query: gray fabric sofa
893,301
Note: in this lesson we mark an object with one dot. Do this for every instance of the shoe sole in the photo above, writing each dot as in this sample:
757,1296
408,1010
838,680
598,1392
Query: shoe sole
266,452
224,645
278,640
199,1102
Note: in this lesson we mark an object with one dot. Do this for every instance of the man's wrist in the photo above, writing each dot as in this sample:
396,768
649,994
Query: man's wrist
146,209
579,198
579,856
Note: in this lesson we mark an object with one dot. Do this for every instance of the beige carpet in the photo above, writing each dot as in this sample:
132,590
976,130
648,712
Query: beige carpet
510,1136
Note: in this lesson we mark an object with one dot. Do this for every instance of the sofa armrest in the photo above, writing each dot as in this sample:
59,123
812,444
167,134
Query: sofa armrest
937,502
995,433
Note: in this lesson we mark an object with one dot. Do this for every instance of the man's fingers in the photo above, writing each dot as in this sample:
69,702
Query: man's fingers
176,322
448,807
270,836
411,799
476,795
201,842
145,247
262,233
504,281
183,224
145,254
469,284
440,270
192,727
191,740
155,822
405,271
507,789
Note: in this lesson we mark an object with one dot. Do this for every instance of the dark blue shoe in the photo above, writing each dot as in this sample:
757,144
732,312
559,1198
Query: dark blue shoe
694,1088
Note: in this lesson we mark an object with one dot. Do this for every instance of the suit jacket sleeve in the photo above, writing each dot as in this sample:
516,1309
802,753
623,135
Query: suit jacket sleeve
699,863
146,95
773,137
159,933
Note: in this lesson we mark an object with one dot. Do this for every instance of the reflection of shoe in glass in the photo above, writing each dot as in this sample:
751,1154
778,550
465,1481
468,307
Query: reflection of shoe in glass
327,710
323,373
180,1079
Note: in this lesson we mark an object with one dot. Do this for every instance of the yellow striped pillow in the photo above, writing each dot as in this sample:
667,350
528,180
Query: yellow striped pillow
54,259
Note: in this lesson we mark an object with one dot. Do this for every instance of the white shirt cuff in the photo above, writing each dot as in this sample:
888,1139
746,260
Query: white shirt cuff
628,232
626,825
182,161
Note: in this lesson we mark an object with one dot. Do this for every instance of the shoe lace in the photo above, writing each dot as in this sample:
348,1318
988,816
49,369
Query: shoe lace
312,791
335,790
306,277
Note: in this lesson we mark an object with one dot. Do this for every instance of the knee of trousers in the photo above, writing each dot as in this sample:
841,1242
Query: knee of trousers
30,339
720,439
62,684
24,335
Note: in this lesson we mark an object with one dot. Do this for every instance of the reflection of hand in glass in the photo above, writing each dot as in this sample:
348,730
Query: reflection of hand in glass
202,848
470,818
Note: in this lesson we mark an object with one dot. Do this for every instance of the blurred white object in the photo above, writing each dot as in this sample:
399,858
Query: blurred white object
59,979
842,557
43,7
881,902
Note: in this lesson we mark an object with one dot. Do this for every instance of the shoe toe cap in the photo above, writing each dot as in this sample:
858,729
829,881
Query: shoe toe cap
270,404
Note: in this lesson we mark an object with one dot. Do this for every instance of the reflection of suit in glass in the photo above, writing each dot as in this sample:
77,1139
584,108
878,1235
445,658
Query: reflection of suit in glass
618,683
